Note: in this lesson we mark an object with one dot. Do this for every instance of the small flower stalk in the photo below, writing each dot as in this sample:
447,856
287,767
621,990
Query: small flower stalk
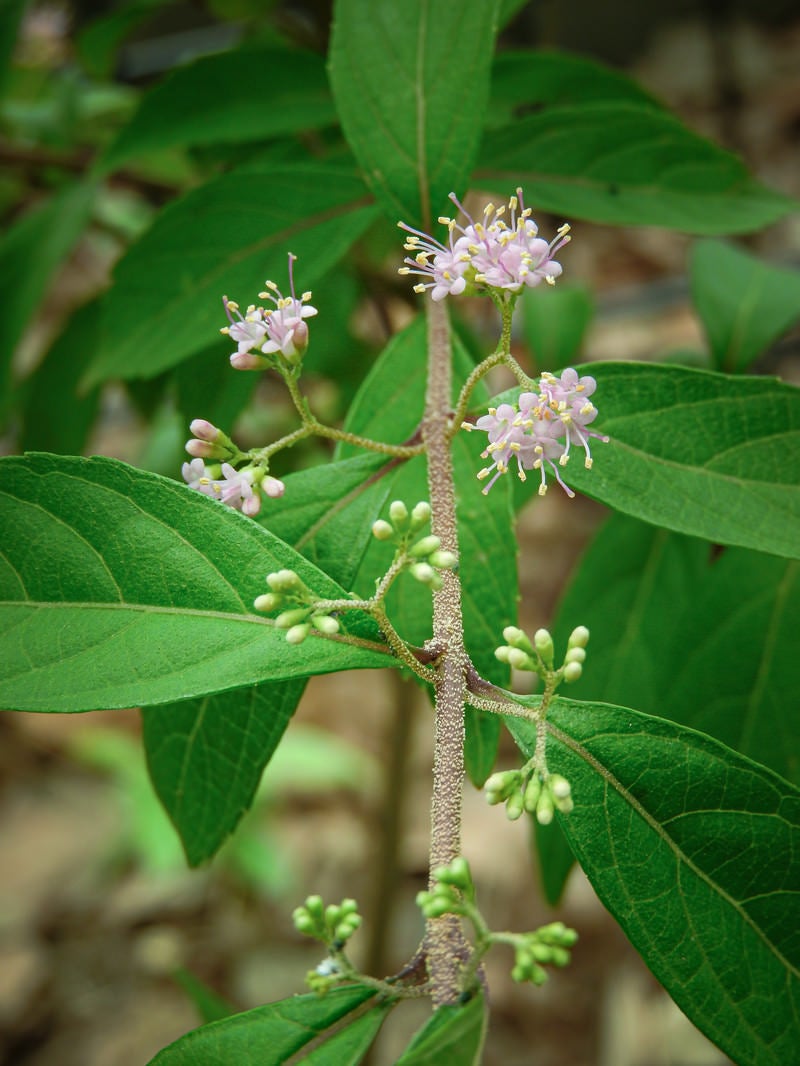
300,610
333,925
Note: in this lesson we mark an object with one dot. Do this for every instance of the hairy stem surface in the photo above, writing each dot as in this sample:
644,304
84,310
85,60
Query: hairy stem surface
445,943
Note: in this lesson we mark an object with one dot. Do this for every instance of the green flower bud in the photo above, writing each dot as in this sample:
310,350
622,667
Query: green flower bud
425,574
297,634
424,547
398,512
572,671
268,602
533,789
284,581
578,638
543,643
502,783
457,873
575,655
559,786
514,807
303,922
420,515
348,906
325,624
518,638
443,560
382,530
502,653
544,808
291,618
520,660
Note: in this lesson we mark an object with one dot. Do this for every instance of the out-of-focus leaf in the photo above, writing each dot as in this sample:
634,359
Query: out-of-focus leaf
388,64
30,252
249,94
10,21
58,418
626,164
223,239
744,304
555,321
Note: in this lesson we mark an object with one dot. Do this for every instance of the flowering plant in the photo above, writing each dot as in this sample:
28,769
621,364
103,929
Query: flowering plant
208,601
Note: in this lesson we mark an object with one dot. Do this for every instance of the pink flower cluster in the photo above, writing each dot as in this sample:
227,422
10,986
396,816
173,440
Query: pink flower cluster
281,328
539,430
240,489
492,253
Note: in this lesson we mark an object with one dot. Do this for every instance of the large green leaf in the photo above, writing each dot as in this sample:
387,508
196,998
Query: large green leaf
205,758
456,1031
121,588
266,1036
223,239
697,452
411,82
30,251
245,95
695,850
13,10
744,304
626,164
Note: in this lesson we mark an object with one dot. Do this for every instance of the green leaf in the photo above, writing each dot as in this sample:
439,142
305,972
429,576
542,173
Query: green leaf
249,94
388,64
633,588
166,303
555,327
120,588
348,1046
389,406
266,1036
554,859
745,305
57,418
30,252
524,82
13,10
626,164
695,850
697,452
748,605
209,1006
455,1030
206,758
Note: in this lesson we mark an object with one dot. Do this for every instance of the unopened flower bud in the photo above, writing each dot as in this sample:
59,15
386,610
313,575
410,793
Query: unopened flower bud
250,361
314,906
572,671
382,530
578,638
533,789
272,486
518,638
457,873
325,624
202,449
575,655
443,560
514,807
519,660
544,808
543,643
268,602
297,634
502,653
425,573
206,430
290,618
424,547
284,581
398,512
559,786
420,515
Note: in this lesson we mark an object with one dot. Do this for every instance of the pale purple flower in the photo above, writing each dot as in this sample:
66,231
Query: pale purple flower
538,430
491,253
240,489
281,328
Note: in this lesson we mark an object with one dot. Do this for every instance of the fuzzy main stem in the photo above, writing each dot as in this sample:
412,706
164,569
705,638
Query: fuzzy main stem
445,943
